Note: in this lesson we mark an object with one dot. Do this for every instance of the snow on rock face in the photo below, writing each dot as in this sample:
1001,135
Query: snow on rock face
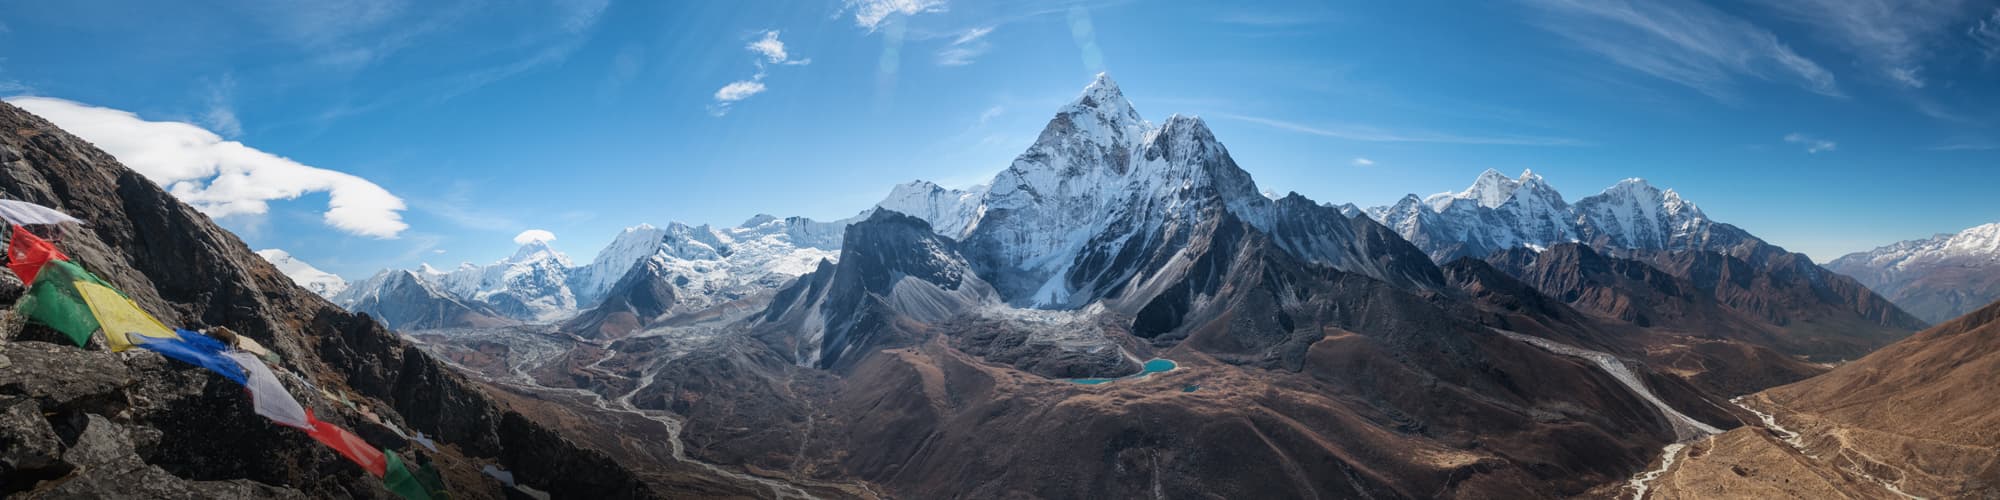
1062,186
532,285
707,265
951,212
320,282
1065,223
636,243
1497,213
1634,214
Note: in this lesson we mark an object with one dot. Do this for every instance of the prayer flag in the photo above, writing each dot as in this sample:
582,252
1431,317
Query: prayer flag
268,395
21,212
199,350
348,445
119,317
26,253
400,481
54,301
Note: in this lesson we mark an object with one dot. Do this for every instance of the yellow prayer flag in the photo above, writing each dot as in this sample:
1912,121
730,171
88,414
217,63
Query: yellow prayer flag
119,317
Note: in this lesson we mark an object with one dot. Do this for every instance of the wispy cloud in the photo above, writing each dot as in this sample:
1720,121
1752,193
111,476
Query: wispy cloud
1966,143
1268,20
459,206
870,14
1986,33
1363,162
1813,145
1686,43
220,116
966,48
1891,36
220,177
991,113
1375,134
769,50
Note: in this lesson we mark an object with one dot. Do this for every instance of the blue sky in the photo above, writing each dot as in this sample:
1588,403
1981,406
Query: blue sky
439,130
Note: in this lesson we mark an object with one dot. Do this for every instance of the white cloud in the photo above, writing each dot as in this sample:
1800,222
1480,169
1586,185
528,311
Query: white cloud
533,235
737,91
1892,36
1686,43
222,177
870,13
773,50
1373,134
1363,162
968,46
1814,145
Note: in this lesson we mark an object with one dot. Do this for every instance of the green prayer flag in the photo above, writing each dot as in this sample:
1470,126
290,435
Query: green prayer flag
54,301
399,480
432,481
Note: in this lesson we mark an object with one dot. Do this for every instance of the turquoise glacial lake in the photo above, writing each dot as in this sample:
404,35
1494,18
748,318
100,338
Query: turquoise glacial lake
1155,365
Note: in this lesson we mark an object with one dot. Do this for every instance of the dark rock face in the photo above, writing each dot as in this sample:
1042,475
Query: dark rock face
892,266
1787,303
1833,316
177,264
643,295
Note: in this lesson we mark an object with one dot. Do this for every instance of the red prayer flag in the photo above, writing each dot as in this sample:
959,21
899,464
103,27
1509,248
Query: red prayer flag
26,253
349,445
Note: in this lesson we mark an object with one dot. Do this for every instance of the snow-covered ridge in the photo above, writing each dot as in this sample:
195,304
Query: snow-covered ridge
320,282
1497,213
1976,243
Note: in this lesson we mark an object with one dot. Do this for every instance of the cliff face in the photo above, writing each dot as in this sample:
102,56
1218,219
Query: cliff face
168,424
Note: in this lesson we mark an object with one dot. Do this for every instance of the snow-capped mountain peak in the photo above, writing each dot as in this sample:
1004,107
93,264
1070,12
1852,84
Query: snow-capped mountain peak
537,250
320,282
1112,115
1493,189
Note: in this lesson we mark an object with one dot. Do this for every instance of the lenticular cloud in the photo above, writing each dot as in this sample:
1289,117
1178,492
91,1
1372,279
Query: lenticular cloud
222,177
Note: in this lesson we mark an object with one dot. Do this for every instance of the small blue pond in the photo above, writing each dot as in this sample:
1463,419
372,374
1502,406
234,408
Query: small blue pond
1156,365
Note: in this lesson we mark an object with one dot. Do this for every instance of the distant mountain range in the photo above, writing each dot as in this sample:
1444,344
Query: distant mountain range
1938,278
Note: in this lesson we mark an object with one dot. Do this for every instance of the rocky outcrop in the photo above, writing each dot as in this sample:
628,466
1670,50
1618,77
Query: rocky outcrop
177,264
892,267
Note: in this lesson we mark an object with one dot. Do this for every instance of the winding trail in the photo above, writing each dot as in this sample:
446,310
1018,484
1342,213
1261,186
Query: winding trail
519,378
1797,442
1685,428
